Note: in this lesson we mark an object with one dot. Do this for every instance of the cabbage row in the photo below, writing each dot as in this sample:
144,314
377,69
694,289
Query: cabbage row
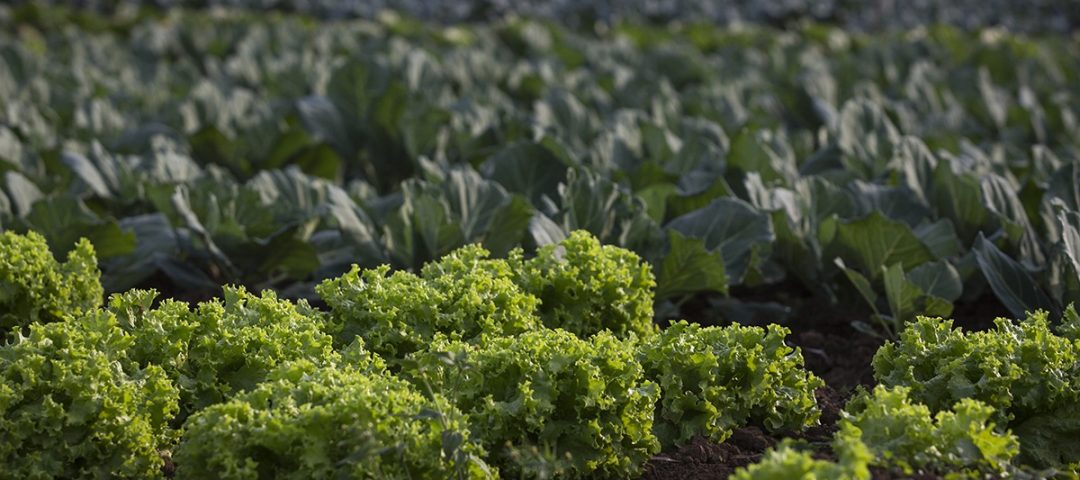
902,172
1033,15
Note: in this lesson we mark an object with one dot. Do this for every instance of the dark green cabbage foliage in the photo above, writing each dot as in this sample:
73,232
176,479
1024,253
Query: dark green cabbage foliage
871,15
308,421
585,287
939,165
1022,369
221,347
463,295
716,379
548,403
72,406
34,287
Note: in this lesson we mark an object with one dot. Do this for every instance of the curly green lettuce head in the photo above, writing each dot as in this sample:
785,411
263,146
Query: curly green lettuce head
309,421
463,296
222,346
886,429
788,462
905,434
236,342
1029,375
1020,368
716,379
34,287
72,405
547,402
481,295
585,287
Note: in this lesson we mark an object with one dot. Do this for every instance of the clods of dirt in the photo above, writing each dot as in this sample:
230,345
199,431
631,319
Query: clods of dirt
841,359
168,469
707,460
830,402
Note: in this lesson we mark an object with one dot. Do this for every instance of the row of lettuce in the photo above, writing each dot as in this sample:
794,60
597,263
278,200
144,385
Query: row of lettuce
477,367
924,168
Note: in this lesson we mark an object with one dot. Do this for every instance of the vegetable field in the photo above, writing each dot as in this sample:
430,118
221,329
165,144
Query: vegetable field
751,240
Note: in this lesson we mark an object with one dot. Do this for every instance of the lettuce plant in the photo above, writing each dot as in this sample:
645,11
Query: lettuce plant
34,287
1026,372
905,434
221,347
786,461
72,406
309,421
161,335
886,429
1019,368
716,379
462,296
547,402
585,287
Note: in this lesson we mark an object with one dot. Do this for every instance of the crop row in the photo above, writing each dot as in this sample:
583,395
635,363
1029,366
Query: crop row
1031,16
478,367
902,171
